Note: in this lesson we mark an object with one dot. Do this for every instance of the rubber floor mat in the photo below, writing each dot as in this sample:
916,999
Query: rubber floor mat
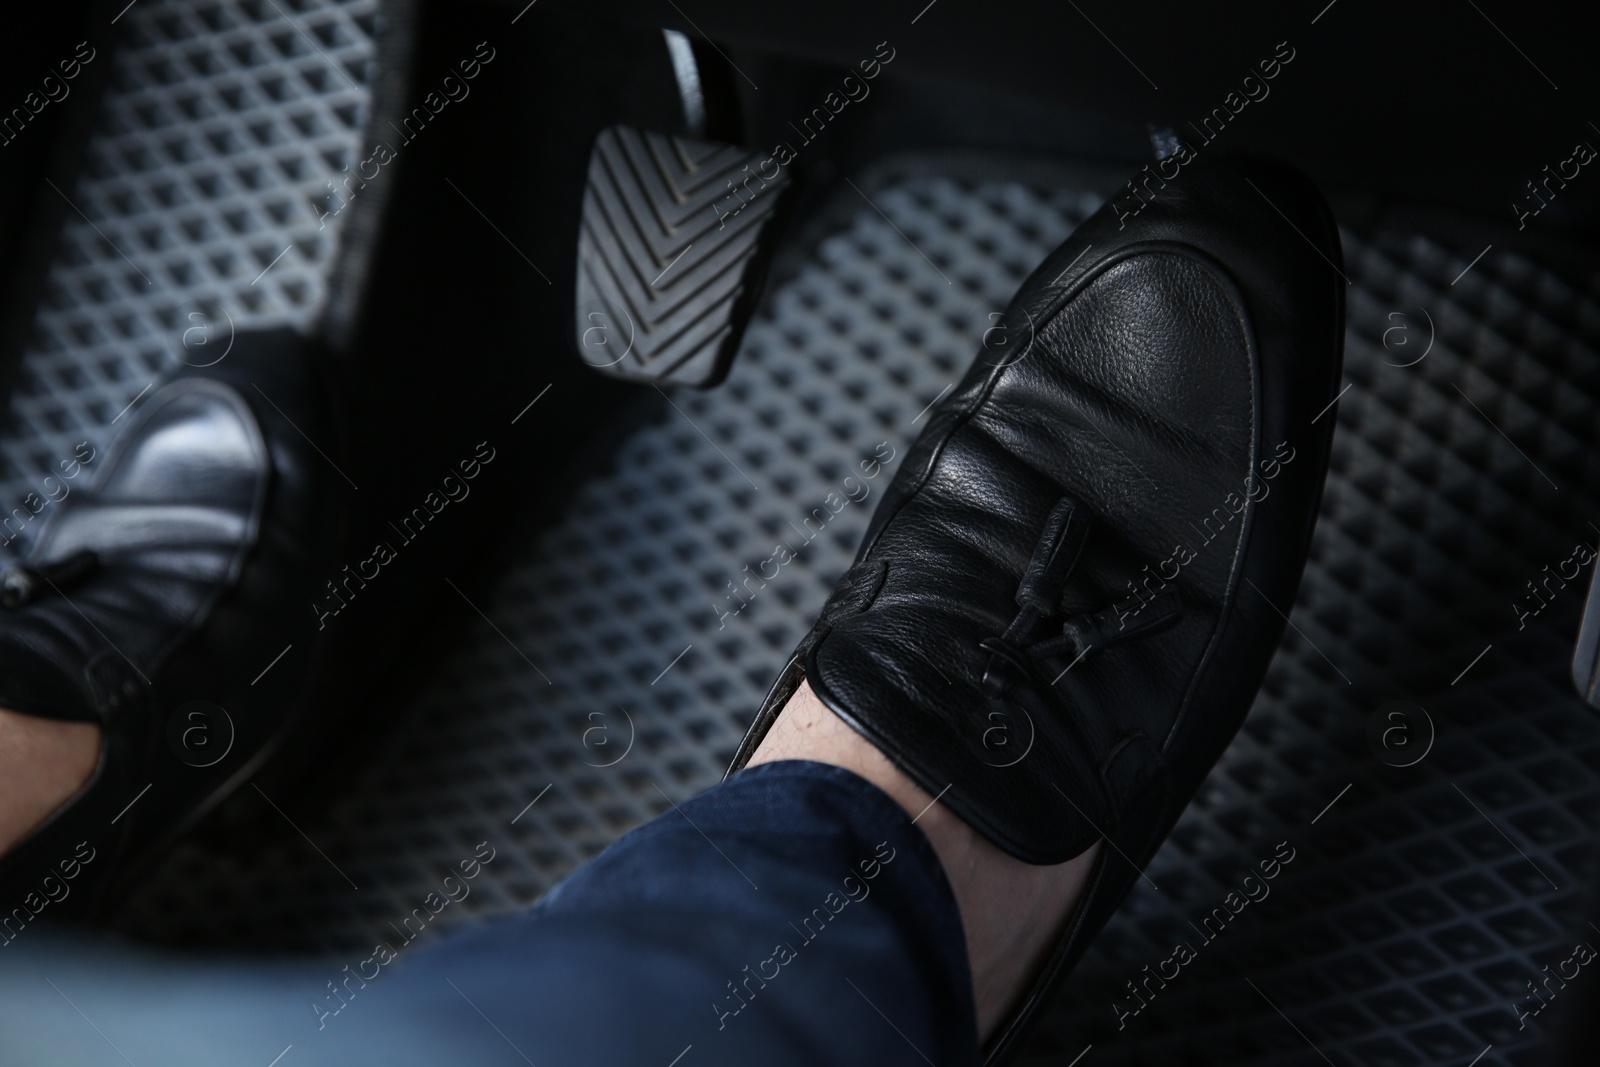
207,204
1416,773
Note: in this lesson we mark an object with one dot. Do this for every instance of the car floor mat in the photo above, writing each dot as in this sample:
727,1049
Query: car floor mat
1417,747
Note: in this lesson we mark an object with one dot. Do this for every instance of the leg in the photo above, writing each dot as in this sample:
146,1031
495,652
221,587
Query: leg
1012,912
792,915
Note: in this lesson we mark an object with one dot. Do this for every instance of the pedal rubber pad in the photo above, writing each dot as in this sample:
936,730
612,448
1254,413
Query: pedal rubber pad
674,240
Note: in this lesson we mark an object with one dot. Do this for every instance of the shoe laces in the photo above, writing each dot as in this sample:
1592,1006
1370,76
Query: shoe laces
1028,640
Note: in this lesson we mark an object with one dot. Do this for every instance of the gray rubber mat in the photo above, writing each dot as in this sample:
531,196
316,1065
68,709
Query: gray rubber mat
203,208
627,651
628,648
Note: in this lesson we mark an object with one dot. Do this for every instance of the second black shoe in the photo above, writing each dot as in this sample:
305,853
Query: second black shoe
158,601
1068,597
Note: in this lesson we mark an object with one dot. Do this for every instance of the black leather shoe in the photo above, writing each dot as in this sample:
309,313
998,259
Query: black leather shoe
161,586
1069,595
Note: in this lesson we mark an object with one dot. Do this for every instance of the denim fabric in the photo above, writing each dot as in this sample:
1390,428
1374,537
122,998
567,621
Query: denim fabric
791,915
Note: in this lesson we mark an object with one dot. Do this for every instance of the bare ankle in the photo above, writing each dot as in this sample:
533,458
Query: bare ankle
1012,912
43,762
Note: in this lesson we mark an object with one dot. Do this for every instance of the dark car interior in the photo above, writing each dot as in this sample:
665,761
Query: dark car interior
430,191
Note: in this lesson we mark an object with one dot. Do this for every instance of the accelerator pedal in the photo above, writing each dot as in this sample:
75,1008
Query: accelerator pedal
674,240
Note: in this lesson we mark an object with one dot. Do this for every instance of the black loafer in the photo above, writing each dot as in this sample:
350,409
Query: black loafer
160,585
1068,597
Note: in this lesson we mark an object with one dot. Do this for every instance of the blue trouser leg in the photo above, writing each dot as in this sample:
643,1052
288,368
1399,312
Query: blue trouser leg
792,915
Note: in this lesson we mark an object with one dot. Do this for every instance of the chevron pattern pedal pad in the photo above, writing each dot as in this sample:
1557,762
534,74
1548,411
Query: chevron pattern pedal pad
675,237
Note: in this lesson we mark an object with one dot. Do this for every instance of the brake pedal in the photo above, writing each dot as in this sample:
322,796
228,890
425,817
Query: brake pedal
674,239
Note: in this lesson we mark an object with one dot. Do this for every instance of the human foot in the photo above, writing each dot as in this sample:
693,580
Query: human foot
1012,912
135,630
1067,598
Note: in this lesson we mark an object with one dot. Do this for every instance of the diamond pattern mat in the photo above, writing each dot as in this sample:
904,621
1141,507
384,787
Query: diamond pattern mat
1416,752
1441,858
204,207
